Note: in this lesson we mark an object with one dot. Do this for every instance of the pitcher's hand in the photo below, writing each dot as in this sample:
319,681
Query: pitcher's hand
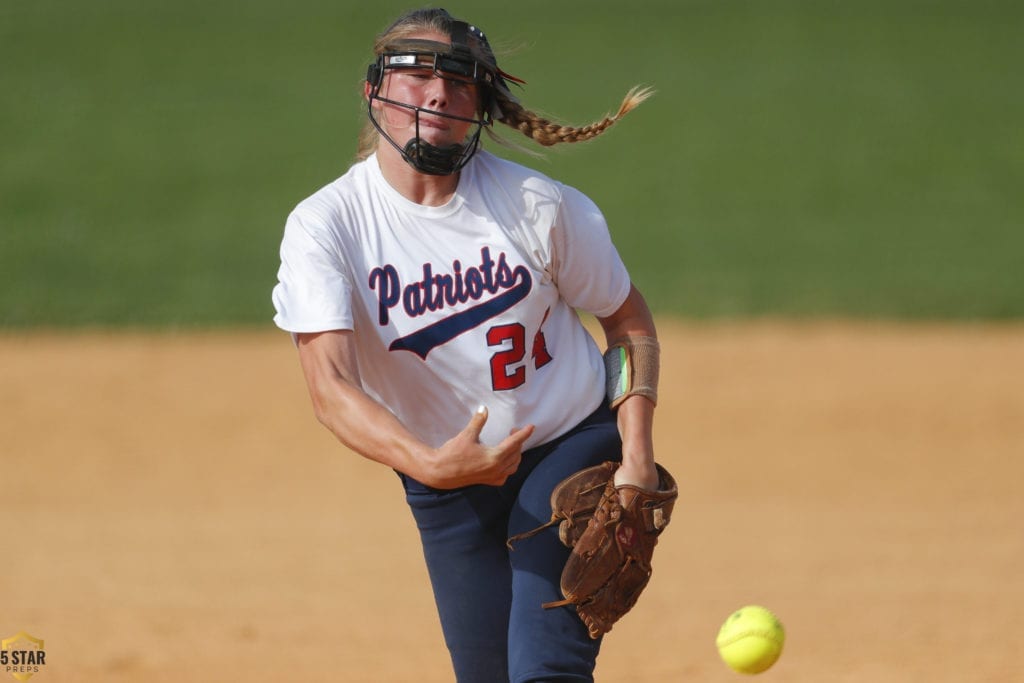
463,460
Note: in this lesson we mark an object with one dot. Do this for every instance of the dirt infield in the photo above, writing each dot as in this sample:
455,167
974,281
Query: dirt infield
172,511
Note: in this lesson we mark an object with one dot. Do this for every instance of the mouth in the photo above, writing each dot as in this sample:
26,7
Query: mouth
433,121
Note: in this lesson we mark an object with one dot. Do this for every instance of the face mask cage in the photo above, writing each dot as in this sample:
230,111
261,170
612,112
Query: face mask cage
453,63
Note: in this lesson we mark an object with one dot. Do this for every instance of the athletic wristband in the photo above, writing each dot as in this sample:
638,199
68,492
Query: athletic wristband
631,368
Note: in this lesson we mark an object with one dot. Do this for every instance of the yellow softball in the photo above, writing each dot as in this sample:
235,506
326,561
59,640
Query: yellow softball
751,639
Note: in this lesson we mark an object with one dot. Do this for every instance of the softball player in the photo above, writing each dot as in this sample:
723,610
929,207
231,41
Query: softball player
431,292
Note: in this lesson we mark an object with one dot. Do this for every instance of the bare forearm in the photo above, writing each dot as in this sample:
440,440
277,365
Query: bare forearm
370,429
636,427
340,404
366,427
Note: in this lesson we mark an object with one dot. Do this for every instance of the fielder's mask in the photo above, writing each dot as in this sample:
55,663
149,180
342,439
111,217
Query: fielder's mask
467,59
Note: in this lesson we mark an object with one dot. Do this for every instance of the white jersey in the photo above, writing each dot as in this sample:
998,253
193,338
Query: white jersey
456,306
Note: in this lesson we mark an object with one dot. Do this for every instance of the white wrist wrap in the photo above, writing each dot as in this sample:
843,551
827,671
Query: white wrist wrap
631,367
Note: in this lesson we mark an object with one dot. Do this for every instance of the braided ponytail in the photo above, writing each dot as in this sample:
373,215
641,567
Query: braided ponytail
547,133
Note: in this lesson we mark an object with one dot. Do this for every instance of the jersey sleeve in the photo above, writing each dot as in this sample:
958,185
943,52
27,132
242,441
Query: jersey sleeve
589,272
313,293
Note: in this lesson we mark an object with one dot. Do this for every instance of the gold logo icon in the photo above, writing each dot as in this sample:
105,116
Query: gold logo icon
22,656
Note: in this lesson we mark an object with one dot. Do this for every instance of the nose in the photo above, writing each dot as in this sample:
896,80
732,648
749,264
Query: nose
438,94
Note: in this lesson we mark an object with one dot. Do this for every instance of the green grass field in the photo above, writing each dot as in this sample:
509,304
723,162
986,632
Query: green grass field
801,158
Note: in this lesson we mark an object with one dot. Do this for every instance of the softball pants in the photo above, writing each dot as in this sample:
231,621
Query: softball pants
489,598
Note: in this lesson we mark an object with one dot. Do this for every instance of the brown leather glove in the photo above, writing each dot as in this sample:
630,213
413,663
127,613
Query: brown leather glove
612,532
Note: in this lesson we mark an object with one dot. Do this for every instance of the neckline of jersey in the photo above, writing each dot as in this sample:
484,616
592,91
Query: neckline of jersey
409,206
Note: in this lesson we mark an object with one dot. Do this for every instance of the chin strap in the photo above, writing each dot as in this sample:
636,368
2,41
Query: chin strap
432,160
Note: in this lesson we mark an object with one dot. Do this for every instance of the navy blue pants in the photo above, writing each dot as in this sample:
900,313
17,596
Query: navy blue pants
489,598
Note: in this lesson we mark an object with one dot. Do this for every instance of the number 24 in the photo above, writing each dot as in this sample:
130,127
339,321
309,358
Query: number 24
507,368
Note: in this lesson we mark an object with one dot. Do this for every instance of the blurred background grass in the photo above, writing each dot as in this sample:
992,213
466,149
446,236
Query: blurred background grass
801,157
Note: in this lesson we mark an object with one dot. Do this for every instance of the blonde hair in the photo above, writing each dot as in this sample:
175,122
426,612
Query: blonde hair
547,133
541,130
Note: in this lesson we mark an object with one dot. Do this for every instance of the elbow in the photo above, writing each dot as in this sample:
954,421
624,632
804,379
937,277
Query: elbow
321,407
321,415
